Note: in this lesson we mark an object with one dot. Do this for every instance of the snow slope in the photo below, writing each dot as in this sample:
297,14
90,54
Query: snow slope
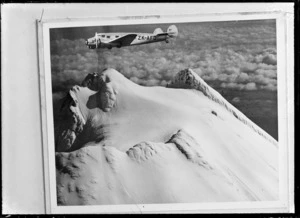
120,143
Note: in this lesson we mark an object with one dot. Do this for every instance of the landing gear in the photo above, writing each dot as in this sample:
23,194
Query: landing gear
109,47
167,41
119,45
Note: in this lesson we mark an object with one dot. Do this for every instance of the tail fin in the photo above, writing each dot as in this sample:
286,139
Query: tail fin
172,31
157,31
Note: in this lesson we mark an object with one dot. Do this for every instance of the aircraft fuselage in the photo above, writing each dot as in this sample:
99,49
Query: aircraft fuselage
110,40
140,38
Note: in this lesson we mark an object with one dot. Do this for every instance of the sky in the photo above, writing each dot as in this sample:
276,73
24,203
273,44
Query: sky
237,58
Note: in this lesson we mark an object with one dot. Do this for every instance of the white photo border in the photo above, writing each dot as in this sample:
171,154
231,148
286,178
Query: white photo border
285,94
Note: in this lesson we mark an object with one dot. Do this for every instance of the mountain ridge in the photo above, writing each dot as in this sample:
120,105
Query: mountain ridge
189,79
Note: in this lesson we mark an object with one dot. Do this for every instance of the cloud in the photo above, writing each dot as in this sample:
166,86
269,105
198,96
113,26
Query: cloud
236,100
249,86
270,59
239,55
267,58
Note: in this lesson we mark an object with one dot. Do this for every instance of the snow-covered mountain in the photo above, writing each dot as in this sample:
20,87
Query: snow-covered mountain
121,143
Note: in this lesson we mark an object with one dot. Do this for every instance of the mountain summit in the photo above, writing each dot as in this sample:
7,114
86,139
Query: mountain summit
121,143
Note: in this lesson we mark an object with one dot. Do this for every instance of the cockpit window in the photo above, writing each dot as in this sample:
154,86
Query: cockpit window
117,36
103,35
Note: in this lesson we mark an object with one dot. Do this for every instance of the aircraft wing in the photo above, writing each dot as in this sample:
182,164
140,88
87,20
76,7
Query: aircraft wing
124,40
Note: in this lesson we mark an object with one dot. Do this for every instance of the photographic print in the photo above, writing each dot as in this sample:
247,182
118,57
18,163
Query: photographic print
164,113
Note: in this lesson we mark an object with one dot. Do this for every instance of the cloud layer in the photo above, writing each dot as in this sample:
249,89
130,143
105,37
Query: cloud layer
228,55
236,58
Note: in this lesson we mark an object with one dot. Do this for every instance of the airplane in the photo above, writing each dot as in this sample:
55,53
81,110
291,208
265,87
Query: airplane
110,40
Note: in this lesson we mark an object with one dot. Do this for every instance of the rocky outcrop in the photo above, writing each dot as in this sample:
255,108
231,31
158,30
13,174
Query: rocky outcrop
73,122
106,94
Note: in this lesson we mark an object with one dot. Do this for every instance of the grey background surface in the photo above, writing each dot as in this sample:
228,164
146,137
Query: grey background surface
22,161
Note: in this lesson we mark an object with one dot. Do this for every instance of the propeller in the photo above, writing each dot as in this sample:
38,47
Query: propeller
96,37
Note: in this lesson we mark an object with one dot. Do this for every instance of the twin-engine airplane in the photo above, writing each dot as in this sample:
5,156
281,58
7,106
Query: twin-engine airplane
110,40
